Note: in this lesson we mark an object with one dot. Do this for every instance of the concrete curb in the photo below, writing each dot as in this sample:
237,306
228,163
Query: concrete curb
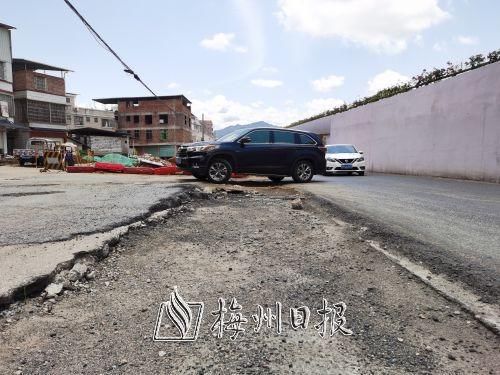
486,314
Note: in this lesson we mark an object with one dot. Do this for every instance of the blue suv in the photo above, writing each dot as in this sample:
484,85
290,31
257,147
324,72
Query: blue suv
276,153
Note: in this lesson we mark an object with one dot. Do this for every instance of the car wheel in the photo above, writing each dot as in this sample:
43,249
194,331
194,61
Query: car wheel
276,178
219,171
302,171
199,176
361,173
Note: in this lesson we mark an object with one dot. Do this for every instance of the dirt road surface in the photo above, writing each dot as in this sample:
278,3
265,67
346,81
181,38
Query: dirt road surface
259,250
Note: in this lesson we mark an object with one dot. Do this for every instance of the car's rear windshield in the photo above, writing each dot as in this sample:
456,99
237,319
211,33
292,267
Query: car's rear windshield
231,137
341,149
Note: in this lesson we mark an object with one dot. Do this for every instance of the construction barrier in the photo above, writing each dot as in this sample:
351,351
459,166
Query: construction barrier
165,170
53,160
139,170
109,167
80,169
239,175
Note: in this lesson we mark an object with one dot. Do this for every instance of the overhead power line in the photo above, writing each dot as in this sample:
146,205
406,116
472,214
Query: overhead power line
106,46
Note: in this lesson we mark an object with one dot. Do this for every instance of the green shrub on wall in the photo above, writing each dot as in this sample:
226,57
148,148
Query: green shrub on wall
423,79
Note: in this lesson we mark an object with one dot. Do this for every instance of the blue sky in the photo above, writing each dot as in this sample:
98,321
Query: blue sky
241,61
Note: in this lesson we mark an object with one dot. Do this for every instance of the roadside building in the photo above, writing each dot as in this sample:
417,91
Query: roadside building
157,125
101,141
81,117
7,126
208,130
40,100
196,129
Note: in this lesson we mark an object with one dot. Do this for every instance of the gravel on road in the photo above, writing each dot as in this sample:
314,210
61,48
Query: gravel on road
258,249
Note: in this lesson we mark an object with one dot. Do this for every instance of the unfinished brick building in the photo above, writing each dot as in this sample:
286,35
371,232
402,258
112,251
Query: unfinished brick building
157,125
40,100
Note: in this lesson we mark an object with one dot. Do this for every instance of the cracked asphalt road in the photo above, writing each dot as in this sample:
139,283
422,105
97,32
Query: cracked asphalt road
258,250
52,206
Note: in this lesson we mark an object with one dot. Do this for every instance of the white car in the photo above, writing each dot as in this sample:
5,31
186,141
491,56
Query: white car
344,158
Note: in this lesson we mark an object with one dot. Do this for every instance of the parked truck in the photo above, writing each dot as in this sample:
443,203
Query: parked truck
35,148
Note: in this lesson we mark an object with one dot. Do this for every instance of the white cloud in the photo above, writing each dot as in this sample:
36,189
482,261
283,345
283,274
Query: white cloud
384,80
381,25
173,85
269,83
218,42
467,40
439,46
316,106
325,84
222,42
224,111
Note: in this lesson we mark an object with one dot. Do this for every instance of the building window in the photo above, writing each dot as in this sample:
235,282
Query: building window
164,134
164,119
136,119
96,119
129,133
105,123
149,134
148,119
88,119
46,112
68,119
127,118
40,83
78,120
6,105
185,120
137,134
3,73
68,100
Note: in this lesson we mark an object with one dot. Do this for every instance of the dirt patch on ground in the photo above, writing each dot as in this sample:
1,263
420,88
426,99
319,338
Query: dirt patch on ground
259,250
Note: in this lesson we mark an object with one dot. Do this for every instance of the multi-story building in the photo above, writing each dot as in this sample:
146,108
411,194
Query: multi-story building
40,100
196,129
157,125
202,130
6,89
208,130
80,117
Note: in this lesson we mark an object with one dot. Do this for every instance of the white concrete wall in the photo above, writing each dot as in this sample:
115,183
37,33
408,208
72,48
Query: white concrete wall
450,128
6,53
